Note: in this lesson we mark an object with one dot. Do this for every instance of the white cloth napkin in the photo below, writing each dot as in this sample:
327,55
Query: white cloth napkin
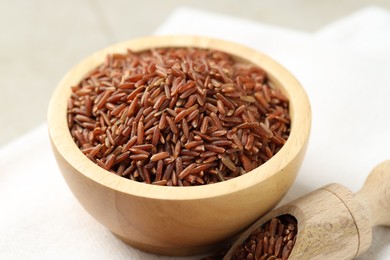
345,70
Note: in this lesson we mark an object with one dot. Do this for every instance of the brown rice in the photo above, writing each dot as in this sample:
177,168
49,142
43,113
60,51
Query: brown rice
178,116
274,240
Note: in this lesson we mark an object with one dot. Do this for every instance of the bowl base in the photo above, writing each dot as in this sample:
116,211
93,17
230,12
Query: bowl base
169,250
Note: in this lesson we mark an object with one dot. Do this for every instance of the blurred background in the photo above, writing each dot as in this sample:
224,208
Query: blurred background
41,39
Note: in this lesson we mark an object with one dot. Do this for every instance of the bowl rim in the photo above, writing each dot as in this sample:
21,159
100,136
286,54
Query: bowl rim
299,106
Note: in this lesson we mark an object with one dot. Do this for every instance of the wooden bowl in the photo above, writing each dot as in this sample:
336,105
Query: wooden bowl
179,220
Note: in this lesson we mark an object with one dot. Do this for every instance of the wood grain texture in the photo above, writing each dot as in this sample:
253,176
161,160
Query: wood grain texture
333,222
359,214
179,220
375,194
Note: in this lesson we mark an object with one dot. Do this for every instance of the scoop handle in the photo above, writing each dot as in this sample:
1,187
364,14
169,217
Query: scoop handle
375,194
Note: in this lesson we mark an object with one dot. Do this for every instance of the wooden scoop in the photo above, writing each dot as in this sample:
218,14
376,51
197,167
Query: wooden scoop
333,222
